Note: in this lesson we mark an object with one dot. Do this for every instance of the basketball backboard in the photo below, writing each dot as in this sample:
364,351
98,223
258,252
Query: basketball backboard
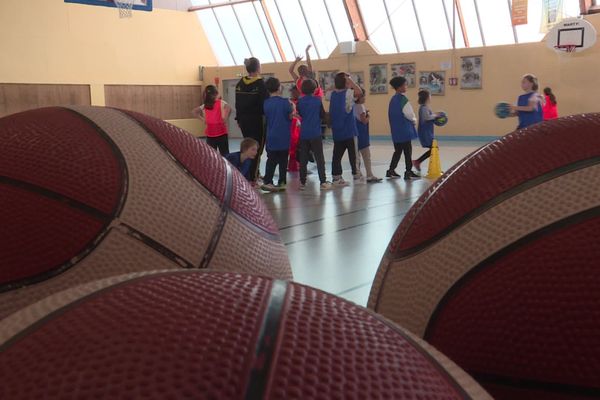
573,34
141,5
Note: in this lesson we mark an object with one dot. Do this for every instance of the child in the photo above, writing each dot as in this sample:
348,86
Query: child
550,109
425,129
529,105
242,159
293,163
362,140
250,94
343,125
278,113
402,123
310,109
304,72
214,112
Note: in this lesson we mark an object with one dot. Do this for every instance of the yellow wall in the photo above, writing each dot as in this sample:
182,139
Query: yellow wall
575,80
50,41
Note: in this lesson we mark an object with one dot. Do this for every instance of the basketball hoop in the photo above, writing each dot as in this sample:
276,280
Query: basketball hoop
124,7
566,48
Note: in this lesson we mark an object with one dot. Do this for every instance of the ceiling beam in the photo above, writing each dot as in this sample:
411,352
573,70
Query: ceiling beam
273,31
227,3
356,20
461,20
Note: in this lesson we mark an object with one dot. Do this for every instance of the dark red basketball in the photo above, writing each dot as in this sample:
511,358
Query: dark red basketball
212,335
90,192
498,264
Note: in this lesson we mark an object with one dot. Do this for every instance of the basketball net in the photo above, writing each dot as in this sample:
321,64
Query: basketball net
124,7
566,48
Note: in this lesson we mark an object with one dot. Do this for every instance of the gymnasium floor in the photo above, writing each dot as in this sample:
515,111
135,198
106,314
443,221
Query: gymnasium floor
336,238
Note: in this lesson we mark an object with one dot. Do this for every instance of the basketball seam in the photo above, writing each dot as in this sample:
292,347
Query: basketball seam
267,341
107,218
220,225
499,254
501,197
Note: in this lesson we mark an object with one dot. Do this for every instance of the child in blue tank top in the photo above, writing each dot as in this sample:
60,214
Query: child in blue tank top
402,123
343,124
362,139
425,128
278,113
529,106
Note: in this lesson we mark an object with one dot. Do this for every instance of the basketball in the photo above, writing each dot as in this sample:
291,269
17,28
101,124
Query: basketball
91,192
502,110
496,265
212,335
441,119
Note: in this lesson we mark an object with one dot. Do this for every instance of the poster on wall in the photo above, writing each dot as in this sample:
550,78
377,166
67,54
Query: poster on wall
434,81
359,78
286,89
470,72
406,70
326,81
378,78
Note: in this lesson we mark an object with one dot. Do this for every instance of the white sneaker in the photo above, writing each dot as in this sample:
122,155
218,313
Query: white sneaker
373,179
269,188
339,182
302,186
326,185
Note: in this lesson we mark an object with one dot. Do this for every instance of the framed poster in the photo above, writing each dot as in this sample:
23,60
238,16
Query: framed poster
378,78
359,78
326,81
142,5
434,81
470,72
406,70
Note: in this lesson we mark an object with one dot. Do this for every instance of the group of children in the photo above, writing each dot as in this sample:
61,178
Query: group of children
293,126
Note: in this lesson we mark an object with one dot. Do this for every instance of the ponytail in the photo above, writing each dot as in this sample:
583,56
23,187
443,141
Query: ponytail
548,92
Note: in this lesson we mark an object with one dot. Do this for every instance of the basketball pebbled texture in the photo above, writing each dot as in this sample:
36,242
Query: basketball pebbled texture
75,181
496,265
212,335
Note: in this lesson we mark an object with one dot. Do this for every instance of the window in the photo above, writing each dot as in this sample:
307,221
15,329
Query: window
378,25
496,22
432,17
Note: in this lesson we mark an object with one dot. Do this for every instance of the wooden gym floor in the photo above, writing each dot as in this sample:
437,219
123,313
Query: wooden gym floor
336,238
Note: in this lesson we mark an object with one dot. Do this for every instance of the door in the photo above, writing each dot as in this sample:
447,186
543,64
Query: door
229,97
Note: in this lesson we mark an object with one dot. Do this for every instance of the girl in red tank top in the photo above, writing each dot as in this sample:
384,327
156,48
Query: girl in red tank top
214,112
550,107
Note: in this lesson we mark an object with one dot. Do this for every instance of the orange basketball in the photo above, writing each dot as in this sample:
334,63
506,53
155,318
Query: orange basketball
212,335
91,192
497,265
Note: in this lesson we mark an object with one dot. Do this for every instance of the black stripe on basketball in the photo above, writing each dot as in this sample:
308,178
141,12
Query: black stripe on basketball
532,237
267,341
101,216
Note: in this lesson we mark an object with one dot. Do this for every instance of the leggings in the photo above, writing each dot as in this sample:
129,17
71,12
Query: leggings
220,143
425,156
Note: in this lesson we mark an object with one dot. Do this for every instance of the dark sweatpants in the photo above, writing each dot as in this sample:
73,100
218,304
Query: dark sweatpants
399,148
253,126
275,158
316,146
339,148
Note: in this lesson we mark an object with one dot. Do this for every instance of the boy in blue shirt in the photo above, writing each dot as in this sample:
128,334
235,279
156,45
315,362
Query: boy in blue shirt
278,112
310,108
343,124
402,123
242,159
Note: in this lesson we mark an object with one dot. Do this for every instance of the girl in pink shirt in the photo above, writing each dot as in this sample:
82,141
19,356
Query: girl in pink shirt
550,107
214,112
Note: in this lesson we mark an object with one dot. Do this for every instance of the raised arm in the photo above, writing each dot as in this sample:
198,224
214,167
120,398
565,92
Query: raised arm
357,90
308,63
226,111
293,68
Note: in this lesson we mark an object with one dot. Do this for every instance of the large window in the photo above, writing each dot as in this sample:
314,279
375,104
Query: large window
238,31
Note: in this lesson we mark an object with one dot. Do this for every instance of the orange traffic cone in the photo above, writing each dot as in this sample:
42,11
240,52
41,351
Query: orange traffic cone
435,167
